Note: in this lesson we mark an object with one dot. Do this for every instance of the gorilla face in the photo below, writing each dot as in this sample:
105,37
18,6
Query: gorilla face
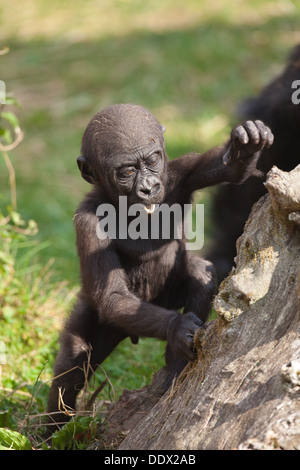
123,151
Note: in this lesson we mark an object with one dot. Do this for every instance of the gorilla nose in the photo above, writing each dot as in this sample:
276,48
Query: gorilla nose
148,189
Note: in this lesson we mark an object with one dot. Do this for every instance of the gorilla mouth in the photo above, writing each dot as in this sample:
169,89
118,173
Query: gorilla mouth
150,208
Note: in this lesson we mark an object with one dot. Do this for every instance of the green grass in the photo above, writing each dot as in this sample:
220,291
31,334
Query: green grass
189,75
190,63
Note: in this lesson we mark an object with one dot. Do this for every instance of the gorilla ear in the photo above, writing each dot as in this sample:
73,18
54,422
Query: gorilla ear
86,170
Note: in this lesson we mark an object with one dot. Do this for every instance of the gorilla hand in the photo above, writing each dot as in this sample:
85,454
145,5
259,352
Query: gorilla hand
180,335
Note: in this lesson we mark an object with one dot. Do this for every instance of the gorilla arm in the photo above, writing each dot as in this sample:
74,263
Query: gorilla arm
105,285
232,163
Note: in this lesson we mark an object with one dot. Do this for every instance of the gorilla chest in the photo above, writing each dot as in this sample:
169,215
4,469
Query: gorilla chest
149,273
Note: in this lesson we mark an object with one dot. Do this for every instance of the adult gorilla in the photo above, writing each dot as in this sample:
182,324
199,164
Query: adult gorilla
231,205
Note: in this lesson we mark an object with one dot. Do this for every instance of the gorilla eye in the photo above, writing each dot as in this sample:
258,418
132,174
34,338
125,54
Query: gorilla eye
151,161
123,172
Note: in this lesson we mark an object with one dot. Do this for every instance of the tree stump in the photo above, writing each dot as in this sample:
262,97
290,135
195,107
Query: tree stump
243,391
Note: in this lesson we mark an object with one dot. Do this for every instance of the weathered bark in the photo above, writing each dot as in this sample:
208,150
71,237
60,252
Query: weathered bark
243,391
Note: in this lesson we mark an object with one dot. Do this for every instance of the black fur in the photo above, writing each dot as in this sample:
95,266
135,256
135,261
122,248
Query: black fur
232,205
135,287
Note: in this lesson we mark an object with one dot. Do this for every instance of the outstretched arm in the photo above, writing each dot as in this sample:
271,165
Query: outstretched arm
232,163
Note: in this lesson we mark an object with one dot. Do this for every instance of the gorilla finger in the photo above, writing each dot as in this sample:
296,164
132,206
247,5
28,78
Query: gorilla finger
199,323
193,330
240,133
270,139
195,319
189,354
189,340
190,343
267,137
185,349
263,131
253,132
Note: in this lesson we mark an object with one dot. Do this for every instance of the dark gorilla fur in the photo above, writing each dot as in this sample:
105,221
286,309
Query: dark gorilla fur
136,287
232,205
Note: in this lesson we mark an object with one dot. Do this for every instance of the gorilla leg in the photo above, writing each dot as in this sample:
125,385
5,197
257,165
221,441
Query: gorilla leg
85,343
199,288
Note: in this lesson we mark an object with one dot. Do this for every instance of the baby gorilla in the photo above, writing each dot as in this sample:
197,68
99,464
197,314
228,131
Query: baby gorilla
135,287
